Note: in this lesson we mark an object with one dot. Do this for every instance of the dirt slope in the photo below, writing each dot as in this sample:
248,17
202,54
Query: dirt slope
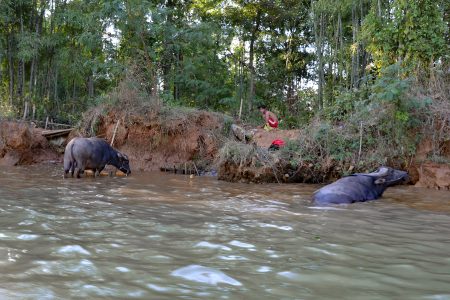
153,141
22,144
265,138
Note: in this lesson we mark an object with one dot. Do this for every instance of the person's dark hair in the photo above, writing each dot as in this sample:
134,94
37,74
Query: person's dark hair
262,106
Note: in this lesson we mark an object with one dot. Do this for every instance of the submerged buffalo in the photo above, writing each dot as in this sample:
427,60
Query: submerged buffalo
93,154
359,187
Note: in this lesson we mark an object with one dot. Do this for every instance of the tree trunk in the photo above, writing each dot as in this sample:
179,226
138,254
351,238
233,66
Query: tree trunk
11,69
168,55
37,89
20,67
1,68
379,8
320,63
55,88
354,51
20,74
91,86
36,22
30,83
176,88
290,78
341,62
55,84
25,111
251,88
241,80
73,90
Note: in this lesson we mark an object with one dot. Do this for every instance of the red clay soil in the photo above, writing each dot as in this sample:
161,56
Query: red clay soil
264,138
433,175
430,174
196,137
151,145
21,144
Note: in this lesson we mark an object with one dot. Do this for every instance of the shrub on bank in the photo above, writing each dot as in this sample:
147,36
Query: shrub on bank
384,128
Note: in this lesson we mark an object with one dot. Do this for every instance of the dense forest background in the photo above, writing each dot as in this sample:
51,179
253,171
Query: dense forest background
300,57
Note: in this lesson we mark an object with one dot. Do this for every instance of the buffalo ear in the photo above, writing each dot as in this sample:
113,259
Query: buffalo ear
122,156
380,181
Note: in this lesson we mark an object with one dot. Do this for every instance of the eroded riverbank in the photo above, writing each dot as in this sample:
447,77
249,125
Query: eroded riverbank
154,235
196,142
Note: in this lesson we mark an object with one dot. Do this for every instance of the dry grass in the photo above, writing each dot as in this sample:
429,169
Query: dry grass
91,120
436,125
239,153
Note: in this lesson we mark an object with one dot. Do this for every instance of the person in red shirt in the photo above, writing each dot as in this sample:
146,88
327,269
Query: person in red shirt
270,118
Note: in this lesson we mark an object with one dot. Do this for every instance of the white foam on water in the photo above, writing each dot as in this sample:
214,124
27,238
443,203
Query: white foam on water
99,291
233,257
205,275
323,251
212,246
241,244
122,269
158,288
290,275
27,222
27,237
73,249
264,269
285,228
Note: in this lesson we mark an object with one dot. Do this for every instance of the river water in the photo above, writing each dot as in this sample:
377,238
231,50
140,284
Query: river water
159,236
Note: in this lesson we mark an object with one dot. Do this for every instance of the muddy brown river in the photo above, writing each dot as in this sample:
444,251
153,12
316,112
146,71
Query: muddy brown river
159,236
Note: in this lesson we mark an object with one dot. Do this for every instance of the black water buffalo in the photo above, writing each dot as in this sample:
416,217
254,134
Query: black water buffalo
359,187
94,154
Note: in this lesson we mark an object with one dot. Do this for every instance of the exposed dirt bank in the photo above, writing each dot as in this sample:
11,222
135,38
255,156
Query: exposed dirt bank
250,163
165,139
426,173
197,137
264,138
241,162
433,175
21,144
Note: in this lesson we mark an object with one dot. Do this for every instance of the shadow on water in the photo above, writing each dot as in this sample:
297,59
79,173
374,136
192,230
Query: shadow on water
159,236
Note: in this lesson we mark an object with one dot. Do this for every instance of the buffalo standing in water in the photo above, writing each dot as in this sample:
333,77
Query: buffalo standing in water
94,154
359,187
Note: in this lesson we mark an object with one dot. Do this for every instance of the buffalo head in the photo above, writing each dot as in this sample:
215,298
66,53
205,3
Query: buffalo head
388,176
124,163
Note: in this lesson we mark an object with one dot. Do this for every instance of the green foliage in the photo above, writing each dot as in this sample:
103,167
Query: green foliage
6,111
412,32
391,90
357,133
346,66
343,105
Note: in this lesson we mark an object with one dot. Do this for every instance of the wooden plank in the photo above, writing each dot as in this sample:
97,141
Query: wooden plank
55,133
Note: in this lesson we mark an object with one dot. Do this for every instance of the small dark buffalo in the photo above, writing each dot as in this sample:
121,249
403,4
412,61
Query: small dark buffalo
94,154
359,187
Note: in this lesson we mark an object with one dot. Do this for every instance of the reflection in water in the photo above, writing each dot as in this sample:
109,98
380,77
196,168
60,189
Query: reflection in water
157,236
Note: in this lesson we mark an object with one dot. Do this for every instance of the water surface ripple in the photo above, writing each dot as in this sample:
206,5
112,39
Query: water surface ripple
158,236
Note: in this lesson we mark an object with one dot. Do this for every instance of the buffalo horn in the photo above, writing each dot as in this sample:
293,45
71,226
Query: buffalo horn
382,172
